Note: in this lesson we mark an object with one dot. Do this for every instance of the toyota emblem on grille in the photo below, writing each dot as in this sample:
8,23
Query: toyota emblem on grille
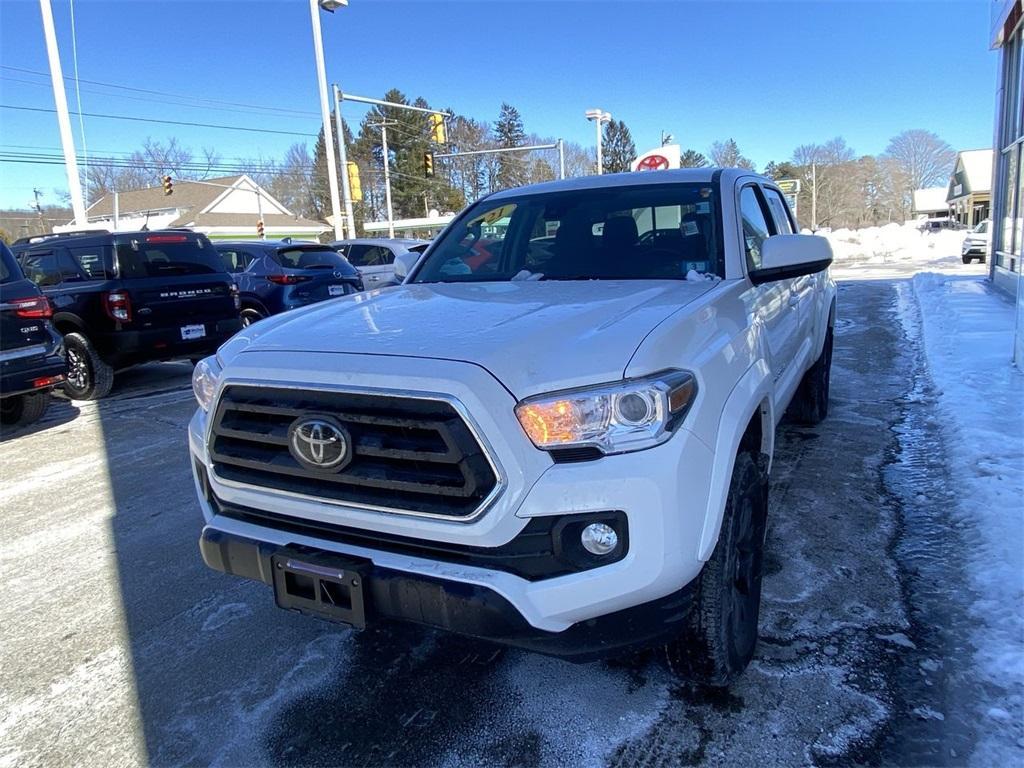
319,443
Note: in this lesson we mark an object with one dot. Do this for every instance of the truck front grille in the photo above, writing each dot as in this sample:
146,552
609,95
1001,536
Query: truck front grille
407,454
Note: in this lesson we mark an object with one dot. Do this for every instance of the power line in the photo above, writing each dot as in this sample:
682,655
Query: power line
163,122
172,95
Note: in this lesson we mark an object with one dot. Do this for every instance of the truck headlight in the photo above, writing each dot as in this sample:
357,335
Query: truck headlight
615,418
205,380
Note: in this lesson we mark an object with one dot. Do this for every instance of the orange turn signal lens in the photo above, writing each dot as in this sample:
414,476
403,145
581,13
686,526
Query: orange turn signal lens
551,422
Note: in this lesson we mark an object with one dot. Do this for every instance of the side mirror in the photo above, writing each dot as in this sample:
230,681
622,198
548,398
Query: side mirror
787,256
404,262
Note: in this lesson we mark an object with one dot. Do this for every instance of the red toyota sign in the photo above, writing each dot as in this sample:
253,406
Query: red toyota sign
653,163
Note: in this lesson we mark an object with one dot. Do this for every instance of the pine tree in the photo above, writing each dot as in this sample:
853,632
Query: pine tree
618,149
691,158
508,132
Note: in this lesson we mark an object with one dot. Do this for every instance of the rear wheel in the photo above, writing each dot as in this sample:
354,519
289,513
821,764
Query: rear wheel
720,639
89,378
20,410
251,315
810,403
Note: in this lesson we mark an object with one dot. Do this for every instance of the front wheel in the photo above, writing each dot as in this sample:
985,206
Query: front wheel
250,316
810,403
722,634
89,378
19,410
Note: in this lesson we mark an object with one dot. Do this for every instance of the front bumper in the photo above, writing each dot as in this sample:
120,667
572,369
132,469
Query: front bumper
662,491
468,609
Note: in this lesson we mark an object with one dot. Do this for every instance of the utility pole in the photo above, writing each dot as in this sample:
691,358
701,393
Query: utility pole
666,138
39,211
814,196
325,113
387,177
60,99
600,117
561,159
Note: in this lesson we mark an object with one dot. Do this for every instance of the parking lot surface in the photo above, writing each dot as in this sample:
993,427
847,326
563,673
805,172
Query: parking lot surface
120,647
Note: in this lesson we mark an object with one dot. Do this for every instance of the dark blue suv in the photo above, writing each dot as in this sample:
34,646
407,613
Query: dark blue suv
277,275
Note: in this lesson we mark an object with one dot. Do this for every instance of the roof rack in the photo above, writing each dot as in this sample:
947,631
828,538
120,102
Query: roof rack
50,235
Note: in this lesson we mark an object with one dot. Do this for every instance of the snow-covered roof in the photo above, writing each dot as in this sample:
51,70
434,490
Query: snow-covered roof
972,174
930,199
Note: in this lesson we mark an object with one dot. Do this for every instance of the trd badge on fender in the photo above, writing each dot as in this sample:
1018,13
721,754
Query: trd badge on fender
319,443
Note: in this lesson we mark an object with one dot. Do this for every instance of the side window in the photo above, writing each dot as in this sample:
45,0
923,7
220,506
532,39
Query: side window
41,268
378,256
68,268
343,250
755,225
780,211
94,262
236,261
356,254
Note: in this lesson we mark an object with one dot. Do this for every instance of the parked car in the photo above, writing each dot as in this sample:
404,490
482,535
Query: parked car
565,448
374,257
31,356
277,275
976,243
130,297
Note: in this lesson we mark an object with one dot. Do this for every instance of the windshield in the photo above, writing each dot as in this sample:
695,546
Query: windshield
312,258
167,255
982,228
652,232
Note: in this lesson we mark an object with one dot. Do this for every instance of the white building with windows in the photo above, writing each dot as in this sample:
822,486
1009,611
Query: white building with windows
1007,35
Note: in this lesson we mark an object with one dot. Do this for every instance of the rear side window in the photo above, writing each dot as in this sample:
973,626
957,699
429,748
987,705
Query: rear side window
167,256
361,255
96,262
310,258
41,268
9,270
755,225
236,261
783,225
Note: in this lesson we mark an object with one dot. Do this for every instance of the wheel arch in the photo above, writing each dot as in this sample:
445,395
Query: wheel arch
747,424
66,323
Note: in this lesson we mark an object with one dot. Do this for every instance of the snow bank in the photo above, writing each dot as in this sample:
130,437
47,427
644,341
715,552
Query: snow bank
967,330
894,242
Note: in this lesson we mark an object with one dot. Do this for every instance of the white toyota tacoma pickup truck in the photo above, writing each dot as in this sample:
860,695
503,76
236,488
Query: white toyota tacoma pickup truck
556,433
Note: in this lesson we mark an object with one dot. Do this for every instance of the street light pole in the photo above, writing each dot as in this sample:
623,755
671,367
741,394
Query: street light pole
346,190
60,99
387,178
325,113
600,117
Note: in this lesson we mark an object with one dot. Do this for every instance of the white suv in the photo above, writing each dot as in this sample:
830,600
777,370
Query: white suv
556,433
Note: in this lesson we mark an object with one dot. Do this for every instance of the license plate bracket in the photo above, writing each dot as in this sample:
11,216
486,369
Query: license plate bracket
336,290
321,584
190,332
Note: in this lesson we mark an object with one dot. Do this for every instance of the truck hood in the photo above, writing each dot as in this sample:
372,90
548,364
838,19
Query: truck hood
532,336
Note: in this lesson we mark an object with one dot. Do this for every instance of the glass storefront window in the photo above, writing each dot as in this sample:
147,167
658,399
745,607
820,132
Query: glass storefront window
1009,201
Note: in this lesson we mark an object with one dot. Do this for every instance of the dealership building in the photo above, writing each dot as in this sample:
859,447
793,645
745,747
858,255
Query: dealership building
1008,179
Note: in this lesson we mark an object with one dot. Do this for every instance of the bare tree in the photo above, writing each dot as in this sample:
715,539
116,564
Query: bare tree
726,154
924,159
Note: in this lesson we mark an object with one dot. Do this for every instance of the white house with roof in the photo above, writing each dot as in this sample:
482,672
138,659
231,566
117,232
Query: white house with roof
227,207
969,195
929,203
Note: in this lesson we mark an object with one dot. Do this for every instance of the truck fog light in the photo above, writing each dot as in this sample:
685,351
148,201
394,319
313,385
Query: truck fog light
599,539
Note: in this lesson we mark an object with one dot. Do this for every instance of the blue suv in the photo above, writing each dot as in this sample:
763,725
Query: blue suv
277,275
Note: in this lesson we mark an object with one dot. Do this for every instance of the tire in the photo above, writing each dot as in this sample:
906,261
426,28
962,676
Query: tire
251,315
965,259
89,378
722,634
19,410
810,403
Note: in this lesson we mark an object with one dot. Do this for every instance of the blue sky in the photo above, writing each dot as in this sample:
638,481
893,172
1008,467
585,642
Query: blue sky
771,75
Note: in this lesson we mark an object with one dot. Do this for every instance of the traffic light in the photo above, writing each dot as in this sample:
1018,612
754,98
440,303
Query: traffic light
428,164
168,185
354,187
437,130
259,228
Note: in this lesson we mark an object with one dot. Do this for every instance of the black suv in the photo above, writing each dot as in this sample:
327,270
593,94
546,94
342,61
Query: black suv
31,356
130,297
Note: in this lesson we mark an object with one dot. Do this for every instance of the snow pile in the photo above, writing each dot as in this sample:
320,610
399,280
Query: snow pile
894,243
968,337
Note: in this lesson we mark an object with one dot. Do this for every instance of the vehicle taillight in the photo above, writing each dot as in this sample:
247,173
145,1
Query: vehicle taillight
287,279
234,295
38,307
118,306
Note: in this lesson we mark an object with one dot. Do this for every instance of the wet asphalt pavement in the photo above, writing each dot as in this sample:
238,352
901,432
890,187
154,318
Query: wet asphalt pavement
120,647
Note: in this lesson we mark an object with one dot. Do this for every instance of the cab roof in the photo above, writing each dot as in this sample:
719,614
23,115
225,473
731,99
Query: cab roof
643,178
